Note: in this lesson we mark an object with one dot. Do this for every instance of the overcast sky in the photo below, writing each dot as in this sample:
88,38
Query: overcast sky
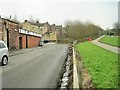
101,12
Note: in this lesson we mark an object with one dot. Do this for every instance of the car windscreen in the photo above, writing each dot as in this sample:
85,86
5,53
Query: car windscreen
2,45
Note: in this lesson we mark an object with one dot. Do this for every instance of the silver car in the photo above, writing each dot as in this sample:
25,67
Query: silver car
3,53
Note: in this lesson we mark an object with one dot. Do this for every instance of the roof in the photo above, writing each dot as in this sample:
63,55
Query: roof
10,20
38,24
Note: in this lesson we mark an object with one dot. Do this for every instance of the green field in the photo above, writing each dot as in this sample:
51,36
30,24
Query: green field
110,40
101,64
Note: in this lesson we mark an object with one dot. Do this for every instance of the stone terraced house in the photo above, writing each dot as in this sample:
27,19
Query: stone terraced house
9,32
28,34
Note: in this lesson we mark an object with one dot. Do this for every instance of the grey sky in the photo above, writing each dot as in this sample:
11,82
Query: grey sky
101,12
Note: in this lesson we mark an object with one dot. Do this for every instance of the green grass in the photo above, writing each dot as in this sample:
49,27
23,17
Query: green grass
101,64
111,40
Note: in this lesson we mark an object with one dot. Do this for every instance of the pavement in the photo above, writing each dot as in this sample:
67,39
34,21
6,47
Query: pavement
105,46
21,51
37,67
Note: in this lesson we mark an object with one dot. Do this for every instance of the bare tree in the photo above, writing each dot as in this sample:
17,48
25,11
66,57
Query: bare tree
116,25
117,28
78,30
31,19
15,18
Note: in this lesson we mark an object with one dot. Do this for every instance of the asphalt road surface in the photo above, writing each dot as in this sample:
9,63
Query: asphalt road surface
35,69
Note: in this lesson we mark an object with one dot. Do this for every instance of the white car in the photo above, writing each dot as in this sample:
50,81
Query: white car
3,53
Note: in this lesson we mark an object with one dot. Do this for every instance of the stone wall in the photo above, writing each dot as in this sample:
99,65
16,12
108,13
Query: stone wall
1,31
10,33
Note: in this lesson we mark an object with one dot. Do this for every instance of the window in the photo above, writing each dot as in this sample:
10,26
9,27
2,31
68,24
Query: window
2,45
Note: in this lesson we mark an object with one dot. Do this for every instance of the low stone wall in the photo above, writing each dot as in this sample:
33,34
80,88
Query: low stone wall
65,80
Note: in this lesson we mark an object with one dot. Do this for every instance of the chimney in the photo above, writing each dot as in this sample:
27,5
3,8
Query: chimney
37,21
47,23
26,21
53,24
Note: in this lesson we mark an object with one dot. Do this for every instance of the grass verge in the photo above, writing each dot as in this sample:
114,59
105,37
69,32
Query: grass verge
110,40
100,63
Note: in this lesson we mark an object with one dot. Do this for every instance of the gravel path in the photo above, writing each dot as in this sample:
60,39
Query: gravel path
105,46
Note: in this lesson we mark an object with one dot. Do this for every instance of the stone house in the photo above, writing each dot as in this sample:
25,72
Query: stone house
50,33
44,27
62,35
33,27
9,32
55,34
30,34
1,29
47,32
50,36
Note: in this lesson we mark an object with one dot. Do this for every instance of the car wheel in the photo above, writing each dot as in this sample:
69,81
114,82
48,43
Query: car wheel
4,60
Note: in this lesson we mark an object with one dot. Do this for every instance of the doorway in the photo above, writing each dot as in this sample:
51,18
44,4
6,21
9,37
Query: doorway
7,38
20,42
26,41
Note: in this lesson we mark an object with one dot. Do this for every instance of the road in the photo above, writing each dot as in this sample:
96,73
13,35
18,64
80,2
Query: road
35,69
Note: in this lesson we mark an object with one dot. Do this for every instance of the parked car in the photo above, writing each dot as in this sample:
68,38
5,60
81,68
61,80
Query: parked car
41,43
3,53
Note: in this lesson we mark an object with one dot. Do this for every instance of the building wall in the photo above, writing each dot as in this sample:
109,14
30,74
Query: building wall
1,30
52,36
12,30
29,41
33,41
1,35
46,27
30,27
23,43
9,32
13,42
